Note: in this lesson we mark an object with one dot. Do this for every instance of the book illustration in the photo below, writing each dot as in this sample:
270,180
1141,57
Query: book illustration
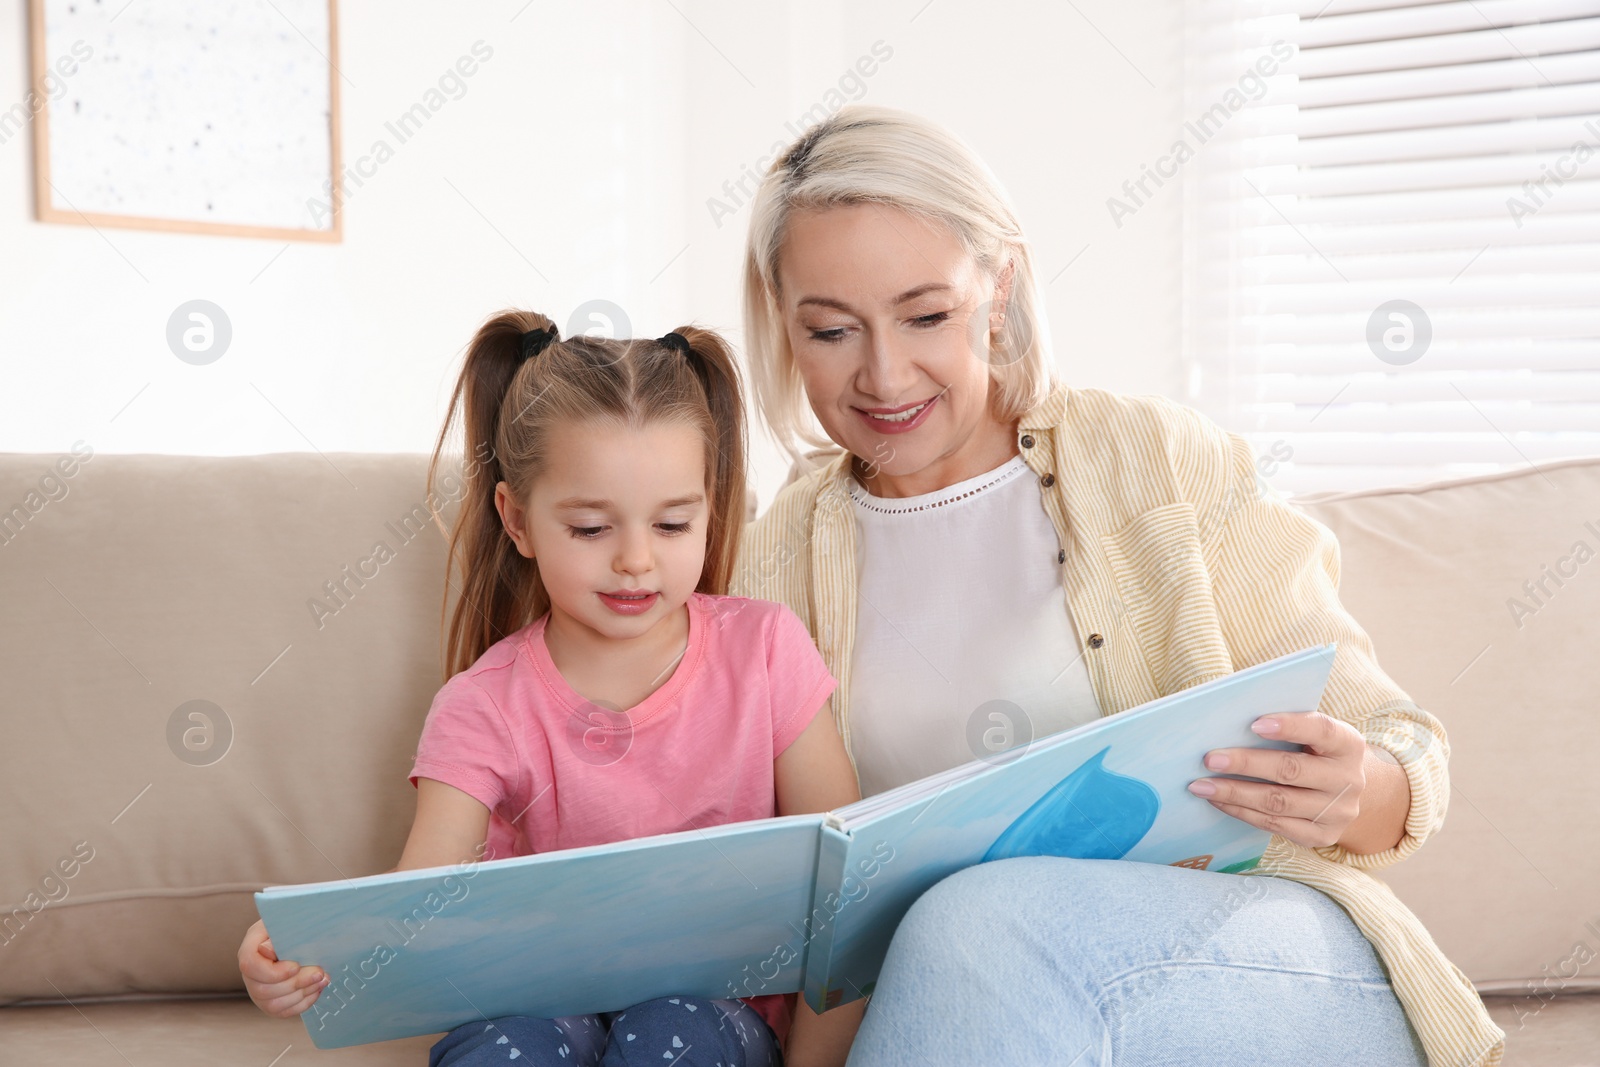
1093,813
1059,798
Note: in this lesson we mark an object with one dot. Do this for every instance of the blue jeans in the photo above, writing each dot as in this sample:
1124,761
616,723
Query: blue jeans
1048,960
666,1032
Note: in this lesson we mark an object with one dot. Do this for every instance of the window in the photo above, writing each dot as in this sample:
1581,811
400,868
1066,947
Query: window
1392,222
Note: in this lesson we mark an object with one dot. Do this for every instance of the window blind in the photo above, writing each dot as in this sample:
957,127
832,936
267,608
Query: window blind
1393,234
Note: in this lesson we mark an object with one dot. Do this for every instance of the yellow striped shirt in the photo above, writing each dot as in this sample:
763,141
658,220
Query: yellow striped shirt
1180,569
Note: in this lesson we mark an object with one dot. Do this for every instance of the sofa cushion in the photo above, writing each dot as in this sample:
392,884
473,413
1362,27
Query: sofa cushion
183,1033
216,670
1482,598
201,1033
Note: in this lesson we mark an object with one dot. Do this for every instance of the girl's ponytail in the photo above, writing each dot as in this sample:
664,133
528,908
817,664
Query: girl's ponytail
497,582
713,364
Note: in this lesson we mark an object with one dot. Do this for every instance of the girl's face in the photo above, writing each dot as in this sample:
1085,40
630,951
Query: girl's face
888,314
617,523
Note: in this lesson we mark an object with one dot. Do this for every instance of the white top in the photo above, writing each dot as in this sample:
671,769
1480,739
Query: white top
964,645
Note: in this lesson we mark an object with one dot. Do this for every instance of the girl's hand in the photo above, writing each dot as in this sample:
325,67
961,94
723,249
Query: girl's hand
281,988
1311,797
449,827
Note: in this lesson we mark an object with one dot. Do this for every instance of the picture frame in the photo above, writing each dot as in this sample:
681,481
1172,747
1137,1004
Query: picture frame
188,74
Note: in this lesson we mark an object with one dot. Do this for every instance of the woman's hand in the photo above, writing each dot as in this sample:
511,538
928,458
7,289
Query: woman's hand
279,987
1315,797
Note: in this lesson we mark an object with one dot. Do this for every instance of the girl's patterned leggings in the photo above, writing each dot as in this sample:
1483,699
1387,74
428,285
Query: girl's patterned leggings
666,1032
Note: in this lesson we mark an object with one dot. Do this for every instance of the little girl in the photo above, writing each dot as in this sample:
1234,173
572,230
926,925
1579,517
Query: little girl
601,685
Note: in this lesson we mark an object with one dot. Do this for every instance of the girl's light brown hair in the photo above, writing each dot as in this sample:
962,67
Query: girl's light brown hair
507,408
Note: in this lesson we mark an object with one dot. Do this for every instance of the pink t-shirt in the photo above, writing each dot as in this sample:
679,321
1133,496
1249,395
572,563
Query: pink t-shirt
557,772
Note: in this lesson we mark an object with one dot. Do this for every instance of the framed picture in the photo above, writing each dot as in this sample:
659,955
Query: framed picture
196,116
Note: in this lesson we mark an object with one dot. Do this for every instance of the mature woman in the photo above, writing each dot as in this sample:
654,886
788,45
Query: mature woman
990,538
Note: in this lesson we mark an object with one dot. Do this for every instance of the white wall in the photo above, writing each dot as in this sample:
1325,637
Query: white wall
1060,117
584,151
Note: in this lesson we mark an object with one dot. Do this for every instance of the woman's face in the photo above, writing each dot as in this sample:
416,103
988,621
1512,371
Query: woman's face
888,315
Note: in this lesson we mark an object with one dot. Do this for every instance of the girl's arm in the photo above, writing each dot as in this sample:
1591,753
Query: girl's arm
449,828
814,774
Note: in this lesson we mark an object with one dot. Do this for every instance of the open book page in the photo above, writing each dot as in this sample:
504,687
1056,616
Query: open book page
1116,788
560,933
909,793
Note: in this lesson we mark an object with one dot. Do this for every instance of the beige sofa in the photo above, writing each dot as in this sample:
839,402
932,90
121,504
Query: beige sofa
215,670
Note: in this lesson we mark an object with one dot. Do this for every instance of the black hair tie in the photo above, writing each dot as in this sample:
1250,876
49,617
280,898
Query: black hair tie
536,341
678,342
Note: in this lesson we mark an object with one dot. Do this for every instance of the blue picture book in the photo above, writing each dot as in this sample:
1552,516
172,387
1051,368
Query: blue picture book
804,902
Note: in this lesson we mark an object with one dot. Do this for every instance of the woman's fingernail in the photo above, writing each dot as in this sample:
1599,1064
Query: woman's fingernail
1265,726
1202,788
1217,761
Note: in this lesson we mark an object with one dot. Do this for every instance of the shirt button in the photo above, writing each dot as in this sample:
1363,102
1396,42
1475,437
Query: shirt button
1027,441
1048,480
1095,640
1061,556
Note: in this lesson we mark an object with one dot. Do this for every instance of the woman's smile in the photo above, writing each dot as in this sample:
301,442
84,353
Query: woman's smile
898,420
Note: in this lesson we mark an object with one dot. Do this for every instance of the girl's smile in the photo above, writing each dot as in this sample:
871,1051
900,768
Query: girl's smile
630,603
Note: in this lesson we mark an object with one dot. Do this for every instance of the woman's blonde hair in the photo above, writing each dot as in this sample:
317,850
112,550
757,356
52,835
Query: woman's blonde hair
508,399
879,155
